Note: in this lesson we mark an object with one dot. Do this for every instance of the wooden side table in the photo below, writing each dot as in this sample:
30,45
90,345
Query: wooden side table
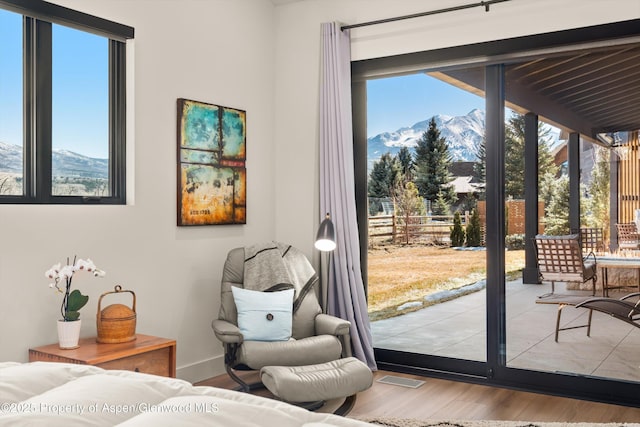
147,354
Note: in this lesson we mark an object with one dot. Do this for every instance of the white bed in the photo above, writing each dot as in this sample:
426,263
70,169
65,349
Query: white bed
44,393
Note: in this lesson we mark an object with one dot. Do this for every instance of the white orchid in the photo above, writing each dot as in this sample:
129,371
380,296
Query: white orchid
86,265
52,273
66,272
72,301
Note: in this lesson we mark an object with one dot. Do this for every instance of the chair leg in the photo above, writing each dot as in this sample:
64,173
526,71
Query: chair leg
548,294
309,406
558,329
243,385
347,406
560,307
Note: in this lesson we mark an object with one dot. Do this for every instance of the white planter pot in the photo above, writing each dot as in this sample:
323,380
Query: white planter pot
68,334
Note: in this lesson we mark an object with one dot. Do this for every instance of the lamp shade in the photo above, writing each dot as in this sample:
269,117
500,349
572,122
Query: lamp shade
326,237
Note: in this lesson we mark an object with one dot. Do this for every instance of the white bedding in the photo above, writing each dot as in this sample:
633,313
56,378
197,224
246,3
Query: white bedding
43,393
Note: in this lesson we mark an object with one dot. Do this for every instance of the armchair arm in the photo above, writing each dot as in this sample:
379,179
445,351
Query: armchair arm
331,325
226,332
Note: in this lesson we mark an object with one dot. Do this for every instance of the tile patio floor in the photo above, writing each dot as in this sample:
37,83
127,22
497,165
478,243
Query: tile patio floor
456,328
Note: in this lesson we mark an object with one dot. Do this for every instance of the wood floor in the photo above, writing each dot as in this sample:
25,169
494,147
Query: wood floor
446,400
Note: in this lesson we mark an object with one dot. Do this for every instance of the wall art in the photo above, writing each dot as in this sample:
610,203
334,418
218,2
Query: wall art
212,176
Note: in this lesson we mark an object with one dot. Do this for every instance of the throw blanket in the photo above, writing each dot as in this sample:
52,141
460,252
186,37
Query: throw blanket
264,266
273,265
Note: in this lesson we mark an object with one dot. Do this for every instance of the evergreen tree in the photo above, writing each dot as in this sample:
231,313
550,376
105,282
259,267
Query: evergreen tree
598,200
557,210
457,232
441,206
383,177
405,161
480,166
546,188
474,234
470,202
432,160
514,155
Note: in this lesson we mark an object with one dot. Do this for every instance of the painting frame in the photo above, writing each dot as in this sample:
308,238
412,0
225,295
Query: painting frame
211,164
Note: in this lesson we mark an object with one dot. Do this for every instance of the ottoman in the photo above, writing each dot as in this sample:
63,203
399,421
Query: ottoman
316,383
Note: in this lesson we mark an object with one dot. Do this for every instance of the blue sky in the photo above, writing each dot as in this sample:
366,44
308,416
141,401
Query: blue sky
396,102
80,88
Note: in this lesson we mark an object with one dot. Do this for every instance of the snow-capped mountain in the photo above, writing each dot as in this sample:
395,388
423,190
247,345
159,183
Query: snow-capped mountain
64,163
463,135
10,158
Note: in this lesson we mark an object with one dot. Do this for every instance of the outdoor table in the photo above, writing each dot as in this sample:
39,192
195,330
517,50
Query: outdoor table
613,263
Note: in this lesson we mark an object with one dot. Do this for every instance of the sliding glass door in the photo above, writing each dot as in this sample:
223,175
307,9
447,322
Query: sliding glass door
432,311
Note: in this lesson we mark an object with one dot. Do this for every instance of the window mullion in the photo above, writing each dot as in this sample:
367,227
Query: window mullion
117,119
43,115
29,92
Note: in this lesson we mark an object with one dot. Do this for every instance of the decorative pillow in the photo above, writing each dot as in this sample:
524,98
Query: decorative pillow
264,316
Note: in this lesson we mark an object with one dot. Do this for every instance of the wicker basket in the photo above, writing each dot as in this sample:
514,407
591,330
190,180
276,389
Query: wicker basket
117,322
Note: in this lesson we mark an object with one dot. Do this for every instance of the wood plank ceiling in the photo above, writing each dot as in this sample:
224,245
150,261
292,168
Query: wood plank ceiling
589,91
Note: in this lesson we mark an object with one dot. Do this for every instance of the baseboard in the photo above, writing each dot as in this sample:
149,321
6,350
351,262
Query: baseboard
202,370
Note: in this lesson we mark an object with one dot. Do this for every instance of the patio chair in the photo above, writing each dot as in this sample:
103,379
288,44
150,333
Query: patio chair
591,239
628,237
560,259
621,309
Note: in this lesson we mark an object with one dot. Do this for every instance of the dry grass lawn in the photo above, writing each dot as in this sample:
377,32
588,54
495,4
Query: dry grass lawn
399,274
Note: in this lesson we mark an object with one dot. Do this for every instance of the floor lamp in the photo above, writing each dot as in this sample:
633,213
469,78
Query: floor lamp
325,243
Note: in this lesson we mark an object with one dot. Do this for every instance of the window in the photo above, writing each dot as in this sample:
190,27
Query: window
62,106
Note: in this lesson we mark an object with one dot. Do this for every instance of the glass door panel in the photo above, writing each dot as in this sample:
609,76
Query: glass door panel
573,175
426,256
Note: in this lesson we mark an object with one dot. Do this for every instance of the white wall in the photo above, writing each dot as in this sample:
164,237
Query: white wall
222,51
217,51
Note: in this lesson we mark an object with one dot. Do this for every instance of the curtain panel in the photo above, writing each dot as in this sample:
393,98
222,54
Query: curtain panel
345,287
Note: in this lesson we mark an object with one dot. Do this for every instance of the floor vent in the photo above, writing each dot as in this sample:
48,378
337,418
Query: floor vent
401,381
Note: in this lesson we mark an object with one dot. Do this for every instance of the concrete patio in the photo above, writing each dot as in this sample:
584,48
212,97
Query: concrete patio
456,328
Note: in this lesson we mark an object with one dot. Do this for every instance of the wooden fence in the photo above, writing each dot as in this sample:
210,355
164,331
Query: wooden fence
437,228
432,228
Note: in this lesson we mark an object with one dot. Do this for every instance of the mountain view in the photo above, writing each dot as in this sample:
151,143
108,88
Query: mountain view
72,174
463,135
64,163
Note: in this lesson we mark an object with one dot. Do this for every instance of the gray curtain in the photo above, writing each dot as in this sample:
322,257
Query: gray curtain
346,296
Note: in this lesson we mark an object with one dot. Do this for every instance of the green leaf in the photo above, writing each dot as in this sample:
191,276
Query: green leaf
71,315
76,301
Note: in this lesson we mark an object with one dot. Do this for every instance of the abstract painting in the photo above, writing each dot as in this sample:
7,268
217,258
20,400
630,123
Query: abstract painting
212,177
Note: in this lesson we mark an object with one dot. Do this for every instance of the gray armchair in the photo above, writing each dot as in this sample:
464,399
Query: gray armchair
316,337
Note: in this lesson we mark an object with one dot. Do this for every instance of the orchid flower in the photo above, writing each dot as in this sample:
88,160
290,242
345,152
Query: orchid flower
72,302
86,265
52,273
66,272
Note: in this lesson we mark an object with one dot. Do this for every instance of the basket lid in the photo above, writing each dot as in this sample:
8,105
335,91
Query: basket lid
117,312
